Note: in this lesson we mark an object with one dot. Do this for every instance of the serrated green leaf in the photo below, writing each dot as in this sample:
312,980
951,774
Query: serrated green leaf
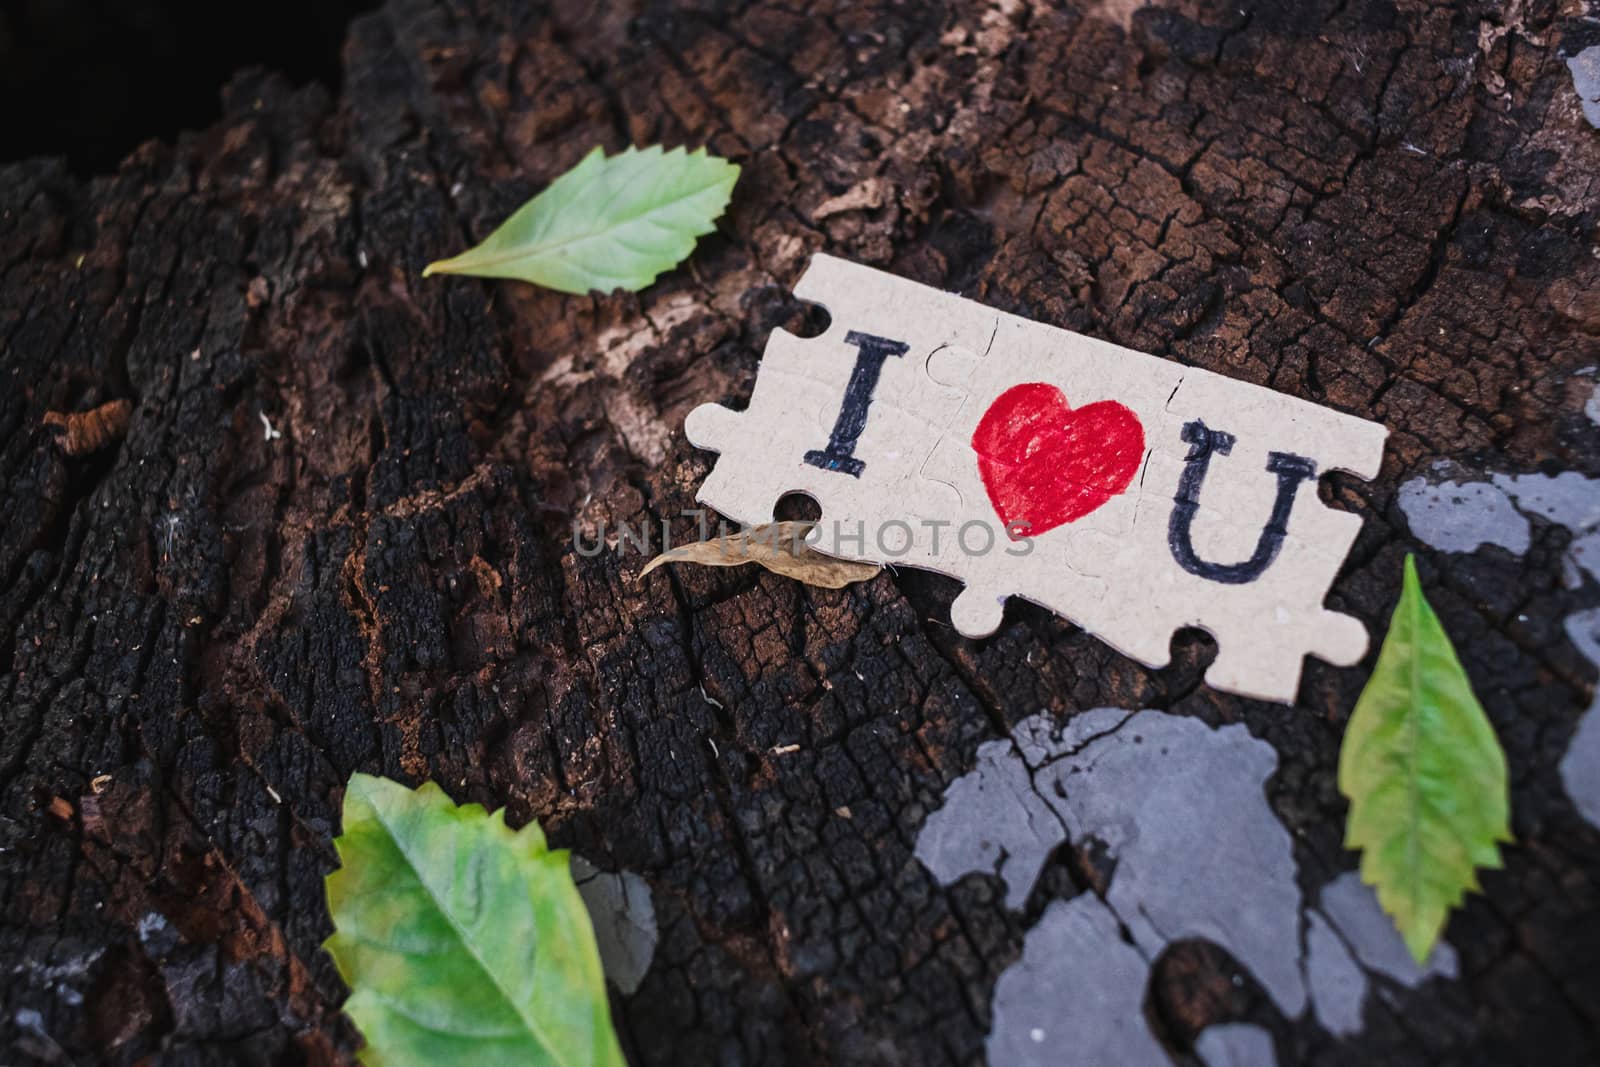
1424,774
609,223
462,941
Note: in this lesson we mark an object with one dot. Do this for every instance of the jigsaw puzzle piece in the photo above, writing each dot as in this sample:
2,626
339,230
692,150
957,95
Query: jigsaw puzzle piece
1219,526
1234,567
1279,609
1267,453
746,482
1083,372
1064,566
847,417
918,319
1294,630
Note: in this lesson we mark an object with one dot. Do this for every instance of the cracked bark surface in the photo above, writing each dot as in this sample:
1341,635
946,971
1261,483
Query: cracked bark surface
1386,208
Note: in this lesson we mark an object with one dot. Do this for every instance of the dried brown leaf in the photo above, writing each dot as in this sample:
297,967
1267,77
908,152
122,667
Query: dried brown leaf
83,432
869,194
780,547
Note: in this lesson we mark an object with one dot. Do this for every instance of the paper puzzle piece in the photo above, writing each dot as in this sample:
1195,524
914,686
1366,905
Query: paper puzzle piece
1130,494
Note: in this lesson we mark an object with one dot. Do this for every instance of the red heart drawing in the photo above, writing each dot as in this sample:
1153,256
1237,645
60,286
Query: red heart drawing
1045,463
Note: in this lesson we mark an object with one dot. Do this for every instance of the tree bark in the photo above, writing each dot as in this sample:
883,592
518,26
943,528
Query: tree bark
336,534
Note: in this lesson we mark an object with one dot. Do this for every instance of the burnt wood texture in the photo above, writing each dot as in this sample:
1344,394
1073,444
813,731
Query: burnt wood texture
335,530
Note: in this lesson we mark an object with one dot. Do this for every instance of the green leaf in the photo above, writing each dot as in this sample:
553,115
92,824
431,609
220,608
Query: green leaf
1424,774
462,941
608,223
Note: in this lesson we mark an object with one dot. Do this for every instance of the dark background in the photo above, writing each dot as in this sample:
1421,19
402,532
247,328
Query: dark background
92,79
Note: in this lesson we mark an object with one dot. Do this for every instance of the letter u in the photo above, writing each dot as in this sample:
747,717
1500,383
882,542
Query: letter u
1203,442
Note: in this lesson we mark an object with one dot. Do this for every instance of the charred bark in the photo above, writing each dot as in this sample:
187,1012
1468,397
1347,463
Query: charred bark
336,534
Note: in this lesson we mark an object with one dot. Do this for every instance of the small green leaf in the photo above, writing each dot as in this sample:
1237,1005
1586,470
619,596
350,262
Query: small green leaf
608,223
462,942
1424,774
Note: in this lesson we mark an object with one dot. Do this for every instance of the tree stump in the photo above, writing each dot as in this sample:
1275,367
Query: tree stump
335,531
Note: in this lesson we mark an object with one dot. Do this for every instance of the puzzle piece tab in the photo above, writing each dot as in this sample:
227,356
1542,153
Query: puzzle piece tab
1130,494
